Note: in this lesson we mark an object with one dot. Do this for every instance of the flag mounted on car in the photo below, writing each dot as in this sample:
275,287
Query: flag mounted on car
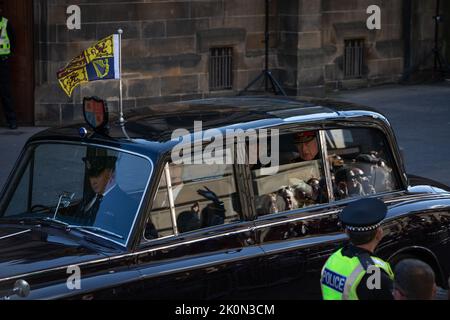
98,62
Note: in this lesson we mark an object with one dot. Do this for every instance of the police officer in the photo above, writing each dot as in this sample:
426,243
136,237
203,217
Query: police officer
5,87
351,272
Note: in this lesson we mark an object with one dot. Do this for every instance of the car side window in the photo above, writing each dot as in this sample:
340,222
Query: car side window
300,179
204,195
159,221
360,162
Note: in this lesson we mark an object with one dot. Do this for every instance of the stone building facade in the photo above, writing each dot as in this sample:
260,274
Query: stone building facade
168,47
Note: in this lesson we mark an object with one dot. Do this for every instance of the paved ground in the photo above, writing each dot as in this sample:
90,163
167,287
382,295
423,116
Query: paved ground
420,116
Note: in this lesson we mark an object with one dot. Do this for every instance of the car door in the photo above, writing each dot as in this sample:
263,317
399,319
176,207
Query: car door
298,240
292,213
198,242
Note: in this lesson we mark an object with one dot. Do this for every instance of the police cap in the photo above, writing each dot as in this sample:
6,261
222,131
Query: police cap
95,164
363,215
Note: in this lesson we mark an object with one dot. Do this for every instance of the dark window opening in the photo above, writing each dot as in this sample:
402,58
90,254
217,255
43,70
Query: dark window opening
354,58
220,69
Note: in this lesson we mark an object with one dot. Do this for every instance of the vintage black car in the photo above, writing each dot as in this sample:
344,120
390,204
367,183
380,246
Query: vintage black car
208,230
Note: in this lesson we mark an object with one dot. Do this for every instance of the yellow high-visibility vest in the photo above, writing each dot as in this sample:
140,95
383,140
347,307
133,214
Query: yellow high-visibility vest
5,45
341,276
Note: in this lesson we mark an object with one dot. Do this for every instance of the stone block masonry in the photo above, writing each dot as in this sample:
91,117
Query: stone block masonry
166,45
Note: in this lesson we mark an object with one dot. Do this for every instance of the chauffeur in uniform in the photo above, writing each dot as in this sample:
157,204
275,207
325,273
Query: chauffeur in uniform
110,208
345,275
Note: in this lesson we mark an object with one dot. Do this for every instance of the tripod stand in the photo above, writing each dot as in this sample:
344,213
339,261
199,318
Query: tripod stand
440,63
266,74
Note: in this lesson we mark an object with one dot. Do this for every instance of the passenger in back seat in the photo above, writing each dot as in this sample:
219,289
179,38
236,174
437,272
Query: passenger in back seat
307,146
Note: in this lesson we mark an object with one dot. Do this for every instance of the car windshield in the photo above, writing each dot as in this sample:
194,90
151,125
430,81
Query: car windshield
89,188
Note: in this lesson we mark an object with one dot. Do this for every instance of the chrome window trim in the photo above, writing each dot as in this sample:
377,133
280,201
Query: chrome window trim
262,225
172,208
326,165
173,214
14,234
125,245
146,242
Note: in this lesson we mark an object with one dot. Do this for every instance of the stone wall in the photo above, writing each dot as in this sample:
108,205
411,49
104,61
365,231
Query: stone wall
166,47
312,34
311,48
343,20
288,18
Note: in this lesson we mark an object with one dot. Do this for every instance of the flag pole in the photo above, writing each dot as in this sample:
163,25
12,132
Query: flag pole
121,119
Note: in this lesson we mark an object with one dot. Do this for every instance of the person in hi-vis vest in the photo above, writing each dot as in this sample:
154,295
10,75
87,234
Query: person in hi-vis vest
6,48
353,272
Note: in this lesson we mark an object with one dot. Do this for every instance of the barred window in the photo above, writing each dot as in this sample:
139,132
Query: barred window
354,58
220,68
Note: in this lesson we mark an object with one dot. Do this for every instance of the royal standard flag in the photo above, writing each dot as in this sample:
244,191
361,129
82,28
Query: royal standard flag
98,62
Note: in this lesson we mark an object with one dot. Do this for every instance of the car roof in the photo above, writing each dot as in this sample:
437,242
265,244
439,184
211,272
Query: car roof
155,124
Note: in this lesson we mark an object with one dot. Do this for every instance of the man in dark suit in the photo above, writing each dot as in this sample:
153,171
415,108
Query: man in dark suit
110,208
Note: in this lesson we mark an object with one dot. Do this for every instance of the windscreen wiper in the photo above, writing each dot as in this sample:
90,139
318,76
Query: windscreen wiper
97,229
66,226
38,220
